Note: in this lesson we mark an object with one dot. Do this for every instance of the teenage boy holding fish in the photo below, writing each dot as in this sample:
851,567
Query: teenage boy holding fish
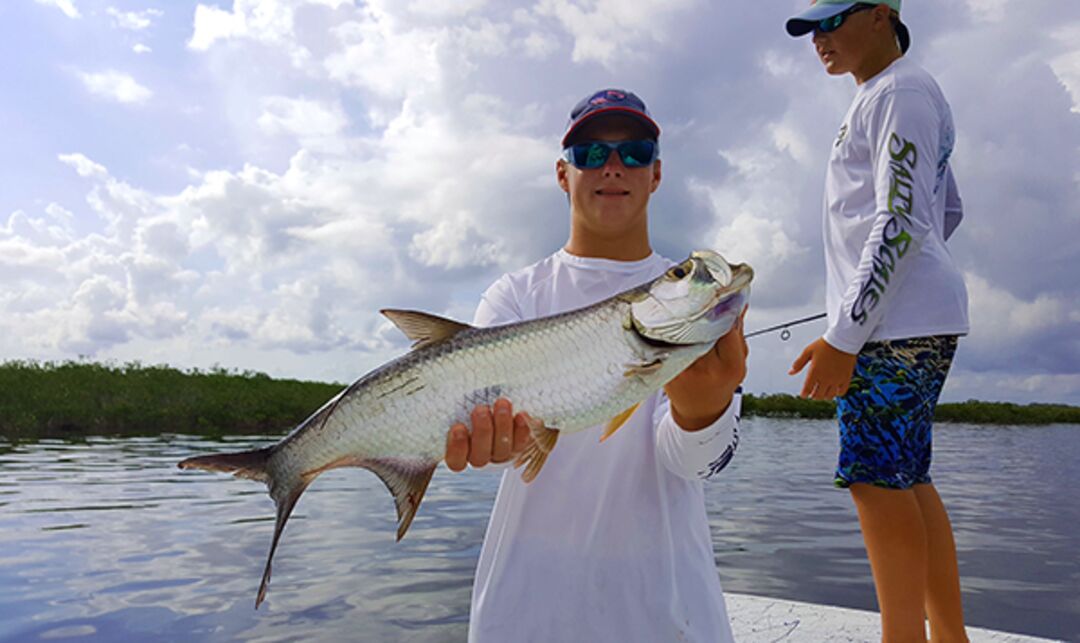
611,541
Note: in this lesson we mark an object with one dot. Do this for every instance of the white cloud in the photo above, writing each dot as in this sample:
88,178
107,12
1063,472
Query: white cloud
988,10
67,6
134,20
60,214
84,166
140,48
303,118
445,8
455,243
213,24
606,31
269,22
755,210
392,59
539,45
1067,65
115,85
1000,316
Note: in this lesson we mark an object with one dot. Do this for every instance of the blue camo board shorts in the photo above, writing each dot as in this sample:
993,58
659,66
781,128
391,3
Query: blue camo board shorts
886,415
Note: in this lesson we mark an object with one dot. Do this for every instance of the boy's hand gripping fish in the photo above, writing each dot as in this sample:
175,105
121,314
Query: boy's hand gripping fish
569,371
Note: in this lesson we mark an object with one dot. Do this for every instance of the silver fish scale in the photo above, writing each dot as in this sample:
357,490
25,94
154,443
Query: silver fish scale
567,370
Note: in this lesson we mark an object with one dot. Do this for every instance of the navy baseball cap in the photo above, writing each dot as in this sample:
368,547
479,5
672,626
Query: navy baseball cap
609,101
819,10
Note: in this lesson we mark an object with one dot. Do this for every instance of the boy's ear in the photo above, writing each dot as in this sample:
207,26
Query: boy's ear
656,176
560,175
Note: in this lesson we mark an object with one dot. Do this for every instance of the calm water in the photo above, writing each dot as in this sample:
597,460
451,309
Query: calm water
107,540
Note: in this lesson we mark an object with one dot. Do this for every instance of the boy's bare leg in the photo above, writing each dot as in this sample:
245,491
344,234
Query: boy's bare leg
943,604
896,544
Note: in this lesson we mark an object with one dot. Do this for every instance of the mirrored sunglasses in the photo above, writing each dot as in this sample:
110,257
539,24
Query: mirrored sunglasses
834,22
593,154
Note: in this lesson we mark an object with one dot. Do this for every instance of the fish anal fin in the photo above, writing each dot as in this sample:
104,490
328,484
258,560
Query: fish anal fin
407,479
618,421
535,455
423,328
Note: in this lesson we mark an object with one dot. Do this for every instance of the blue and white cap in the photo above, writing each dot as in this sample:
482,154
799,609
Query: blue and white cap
819,10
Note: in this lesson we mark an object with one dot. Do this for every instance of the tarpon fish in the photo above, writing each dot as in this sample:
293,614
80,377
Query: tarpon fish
568,372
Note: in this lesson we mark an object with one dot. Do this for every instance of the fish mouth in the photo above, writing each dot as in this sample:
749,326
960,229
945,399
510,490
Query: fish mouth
652,341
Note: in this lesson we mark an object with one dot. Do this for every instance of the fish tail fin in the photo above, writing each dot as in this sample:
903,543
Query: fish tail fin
535,455
245,464
407,480
285,505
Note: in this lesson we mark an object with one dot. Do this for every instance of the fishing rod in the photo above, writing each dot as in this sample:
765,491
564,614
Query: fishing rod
785,332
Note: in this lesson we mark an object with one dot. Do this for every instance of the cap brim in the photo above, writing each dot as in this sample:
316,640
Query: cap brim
633,113
805,22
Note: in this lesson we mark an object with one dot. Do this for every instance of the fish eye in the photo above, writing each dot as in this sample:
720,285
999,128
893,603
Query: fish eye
680,271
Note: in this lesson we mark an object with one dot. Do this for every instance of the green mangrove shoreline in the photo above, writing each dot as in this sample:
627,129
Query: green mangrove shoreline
81,399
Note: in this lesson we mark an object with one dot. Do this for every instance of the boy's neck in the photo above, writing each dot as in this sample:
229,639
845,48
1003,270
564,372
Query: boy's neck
875,63
614,249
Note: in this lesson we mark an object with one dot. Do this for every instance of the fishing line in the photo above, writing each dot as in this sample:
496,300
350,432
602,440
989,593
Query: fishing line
785,332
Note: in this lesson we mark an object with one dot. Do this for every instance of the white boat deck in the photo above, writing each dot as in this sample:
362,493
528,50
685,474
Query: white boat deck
755,619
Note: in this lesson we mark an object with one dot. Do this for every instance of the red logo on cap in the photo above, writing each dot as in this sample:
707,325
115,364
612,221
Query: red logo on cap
610,94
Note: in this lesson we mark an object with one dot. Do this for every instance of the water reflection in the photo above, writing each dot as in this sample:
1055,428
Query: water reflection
106,540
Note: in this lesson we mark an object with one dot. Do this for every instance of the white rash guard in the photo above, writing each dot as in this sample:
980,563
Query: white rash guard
890,203
611,541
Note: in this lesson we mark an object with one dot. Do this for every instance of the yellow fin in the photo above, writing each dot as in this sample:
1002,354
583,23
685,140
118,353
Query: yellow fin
618,421
535,455
423,328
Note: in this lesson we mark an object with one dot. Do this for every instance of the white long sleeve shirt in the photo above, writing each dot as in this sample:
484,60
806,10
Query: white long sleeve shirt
611,541
890,204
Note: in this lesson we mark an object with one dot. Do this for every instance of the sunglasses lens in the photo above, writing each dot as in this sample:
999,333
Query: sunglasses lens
596,155
831,24
589,156
637,153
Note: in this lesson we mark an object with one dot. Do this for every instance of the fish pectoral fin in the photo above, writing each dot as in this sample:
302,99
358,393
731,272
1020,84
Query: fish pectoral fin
535,455
423,328
643,367
618,421
407,479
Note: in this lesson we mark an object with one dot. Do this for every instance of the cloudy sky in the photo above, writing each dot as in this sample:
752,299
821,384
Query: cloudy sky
244,183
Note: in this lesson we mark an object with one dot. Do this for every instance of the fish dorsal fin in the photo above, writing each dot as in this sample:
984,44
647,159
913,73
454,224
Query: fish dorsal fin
618,421
424,329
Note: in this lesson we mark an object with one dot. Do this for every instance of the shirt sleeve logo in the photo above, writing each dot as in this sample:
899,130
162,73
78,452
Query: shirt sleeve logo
895,238
841,136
